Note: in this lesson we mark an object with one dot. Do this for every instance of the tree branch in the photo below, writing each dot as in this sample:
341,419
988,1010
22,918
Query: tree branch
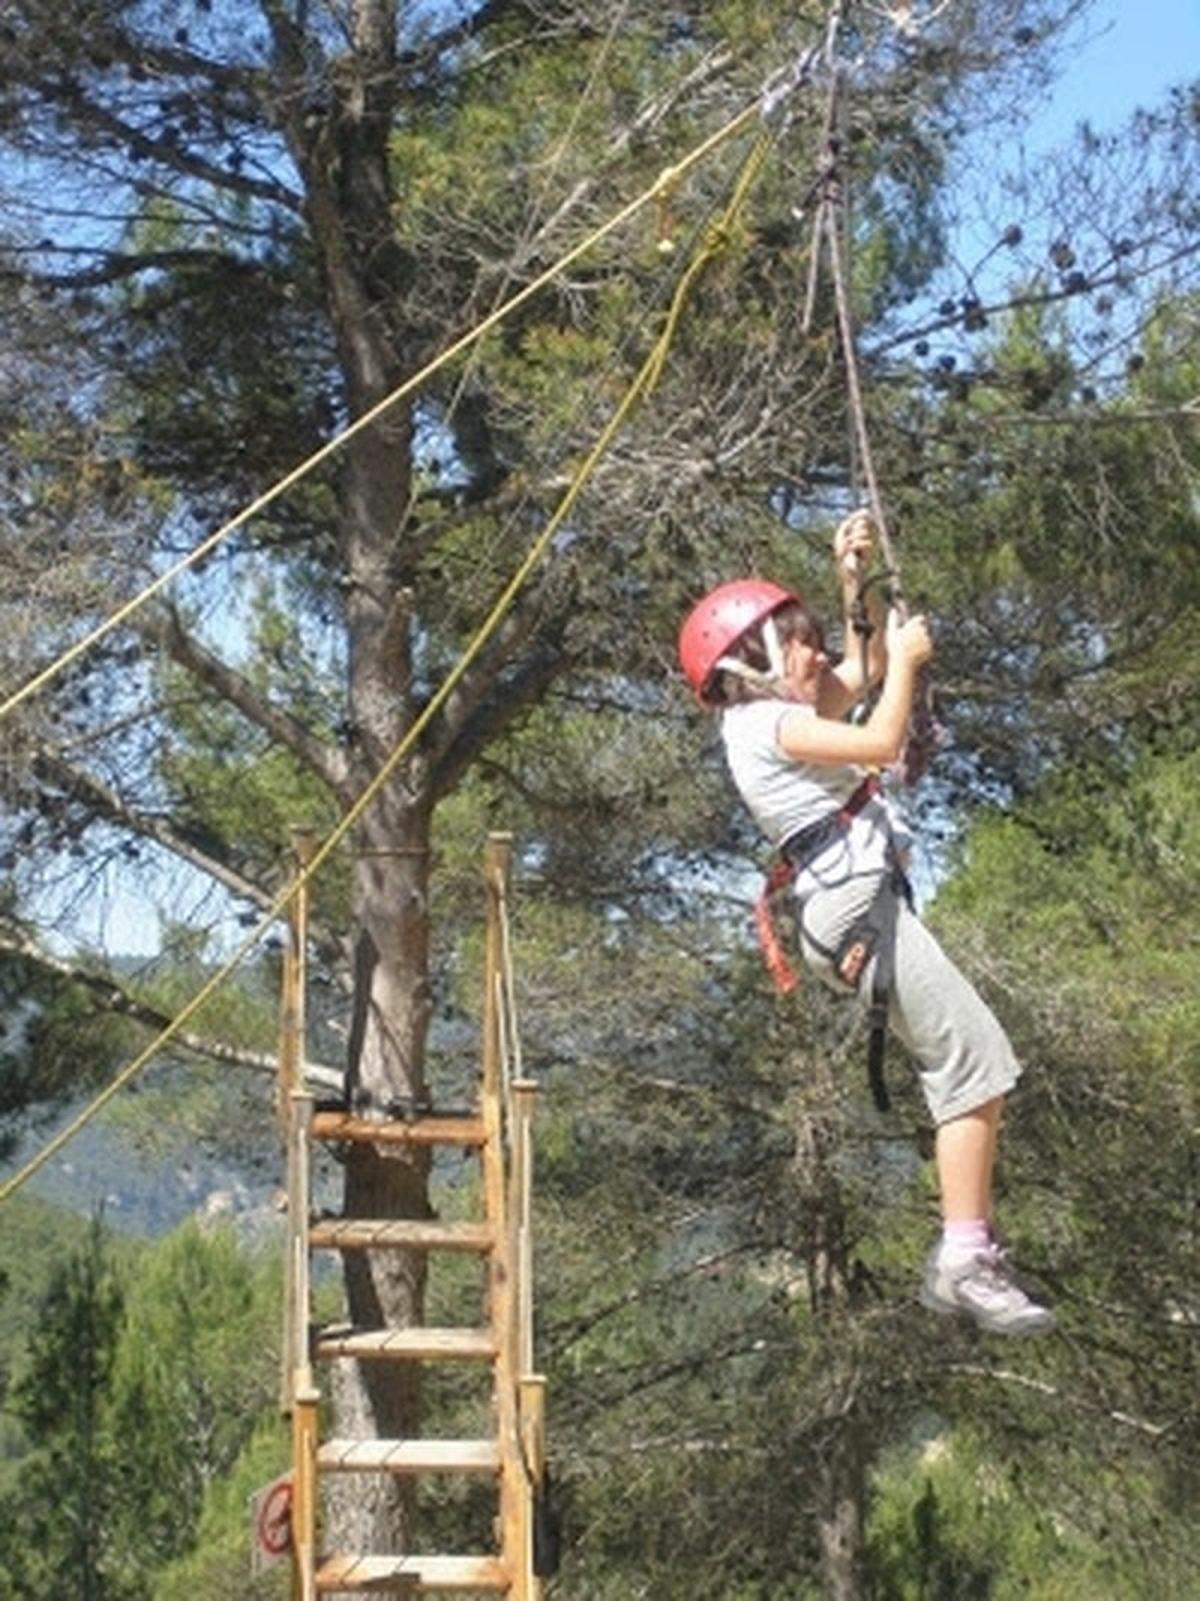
482,706
117,1000
85,112
1006,1376
52,767
420,59
1039,297
324,761
115,266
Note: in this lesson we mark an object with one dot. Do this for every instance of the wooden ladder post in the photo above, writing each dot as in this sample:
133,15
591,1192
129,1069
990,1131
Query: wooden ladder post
305,1396
514,1498
497,867
304,1494
292,1006
531,1387
533,1438
291,1079
524,1097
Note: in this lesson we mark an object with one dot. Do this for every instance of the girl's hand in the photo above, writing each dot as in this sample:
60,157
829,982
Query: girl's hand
854,543
909,641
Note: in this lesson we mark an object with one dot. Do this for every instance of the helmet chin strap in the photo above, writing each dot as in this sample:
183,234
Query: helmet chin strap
773,681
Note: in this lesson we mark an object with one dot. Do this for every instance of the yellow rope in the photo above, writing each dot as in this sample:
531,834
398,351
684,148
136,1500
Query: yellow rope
643,381
716,240
666,179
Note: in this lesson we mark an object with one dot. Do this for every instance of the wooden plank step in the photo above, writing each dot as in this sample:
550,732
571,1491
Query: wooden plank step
426,1130
414,1575
406,1345
362,1234
409,1456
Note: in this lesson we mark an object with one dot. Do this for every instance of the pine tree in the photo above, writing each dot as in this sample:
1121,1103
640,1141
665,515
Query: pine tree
59,1535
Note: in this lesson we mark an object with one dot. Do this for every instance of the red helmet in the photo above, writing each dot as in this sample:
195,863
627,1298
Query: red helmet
716,623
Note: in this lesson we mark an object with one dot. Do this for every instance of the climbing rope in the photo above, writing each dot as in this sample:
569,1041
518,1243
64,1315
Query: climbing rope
832,213
925,735
764,106
642,384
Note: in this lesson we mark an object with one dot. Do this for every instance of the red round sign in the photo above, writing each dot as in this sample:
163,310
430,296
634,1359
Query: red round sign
273,1523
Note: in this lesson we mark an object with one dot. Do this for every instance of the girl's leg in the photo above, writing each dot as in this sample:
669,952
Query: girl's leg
966,1061
964,1271
967,1067
966,1157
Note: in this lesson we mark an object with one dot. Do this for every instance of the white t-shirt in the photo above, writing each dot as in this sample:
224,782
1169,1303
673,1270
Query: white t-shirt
784,795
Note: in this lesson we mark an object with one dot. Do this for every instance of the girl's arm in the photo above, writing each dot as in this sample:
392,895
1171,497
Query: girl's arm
827,741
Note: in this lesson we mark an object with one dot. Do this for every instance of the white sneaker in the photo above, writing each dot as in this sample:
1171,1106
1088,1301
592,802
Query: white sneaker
981,1285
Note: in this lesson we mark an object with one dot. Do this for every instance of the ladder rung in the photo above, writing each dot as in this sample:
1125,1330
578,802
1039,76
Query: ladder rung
431,1130
362,1234
413,1345
414,1574
409,1456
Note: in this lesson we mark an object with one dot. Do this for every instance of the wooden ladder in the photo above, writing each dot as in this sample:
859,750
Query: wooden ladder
499,1131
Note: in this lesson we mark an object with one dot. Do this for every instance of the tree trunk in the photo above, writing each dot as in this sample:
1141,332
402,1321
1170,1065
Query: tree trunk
349,200
840,1508
386,1062
840,1514
383,1400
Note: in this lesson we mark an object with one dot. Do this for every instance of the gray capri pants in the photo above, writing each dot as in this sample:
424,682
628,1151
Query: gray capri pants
964,1054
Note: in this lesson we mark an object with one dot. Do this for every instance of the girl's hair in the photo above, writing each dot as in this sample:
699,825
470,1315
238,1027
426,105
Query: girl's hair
730,689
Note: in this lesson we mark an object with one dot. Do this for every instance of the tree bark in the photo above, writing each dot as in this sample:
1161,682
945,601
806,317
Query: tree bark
840,1500
840,1507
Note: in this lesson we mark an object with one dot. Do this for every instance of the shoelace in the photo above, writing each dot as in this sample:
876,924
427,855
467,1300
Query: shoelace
991,1269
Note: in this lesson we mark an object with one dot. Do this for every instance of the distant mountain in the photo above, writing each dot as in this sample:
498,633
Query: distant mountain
186,1140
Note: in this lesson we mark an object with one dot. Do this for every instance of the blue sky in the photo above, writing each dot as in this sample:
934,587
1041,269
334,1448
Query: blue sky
1125,53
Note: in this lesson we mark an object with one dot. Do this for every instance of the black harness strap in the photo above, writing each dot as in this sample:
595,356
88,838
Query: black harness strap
802,848
873,934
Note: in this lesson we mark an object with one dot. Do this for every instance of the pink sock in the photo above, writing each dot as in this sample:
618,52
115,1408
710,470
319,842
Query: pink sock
962,1237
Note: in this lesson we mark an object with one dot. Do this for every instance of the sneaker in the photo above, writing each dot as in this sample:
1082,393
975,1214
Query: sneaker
982,1286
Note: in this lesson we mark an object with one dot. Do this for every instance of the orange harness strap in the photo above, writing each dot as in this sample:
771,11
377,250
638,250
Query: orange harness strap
786,978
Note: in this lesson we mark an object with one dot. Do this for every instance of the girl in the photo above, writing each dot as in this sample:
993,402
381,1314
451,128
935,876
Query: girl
754,652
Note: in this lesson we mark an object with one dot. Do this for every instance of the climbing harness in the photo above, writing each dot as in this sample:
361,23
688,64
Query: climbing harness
871,935
793,857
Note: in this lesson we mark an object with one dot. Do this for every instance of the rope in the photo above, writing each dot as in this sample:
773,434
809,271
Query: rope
641,385
925,734
665,181
830,222
861,437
